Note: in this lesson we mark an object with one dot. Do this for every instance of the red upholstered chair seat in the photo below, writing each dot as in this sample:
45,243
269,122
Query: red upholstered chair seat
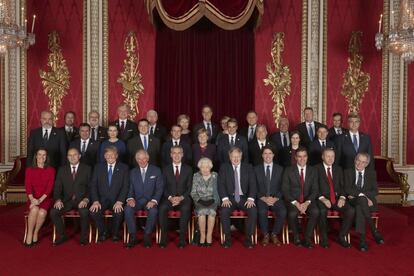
107,213
384,178
174,214
141,214
19,171
238,213
72,213
333,213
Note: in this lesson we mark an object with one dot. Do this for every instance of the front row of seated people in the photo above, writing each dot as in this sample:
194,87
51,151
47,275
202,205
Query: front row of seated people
294,192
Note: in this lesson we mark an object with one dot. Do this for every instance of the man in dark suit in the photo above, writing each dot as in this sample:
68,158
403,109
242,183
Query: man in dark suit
109,188
256,145
176,141
237,190
361,188
212,129
308,128
269,196
281,138
89,149
300,191
71,192
233,139
332,197
178,179
126,128
336,130
145,141
145,191
155,128
47,137
249,132
318,145
70,130
98,133
352,143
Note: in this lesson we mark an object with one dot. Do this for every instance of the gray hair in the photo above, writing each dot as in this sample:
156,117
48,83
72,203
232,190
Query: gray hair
205,161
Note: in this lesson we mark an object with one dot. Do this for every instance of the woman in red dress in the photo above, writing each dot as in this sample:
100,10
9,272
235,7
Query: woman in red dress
39,182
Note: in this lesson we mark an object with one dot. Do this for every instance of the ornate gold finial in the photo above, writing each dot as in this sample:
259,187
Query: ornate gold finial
131,78
55,81
355,81
279,78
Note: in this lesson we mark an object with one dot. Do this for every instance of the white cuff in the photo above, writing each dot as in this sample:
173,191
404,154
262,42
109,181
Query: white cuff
224,198
250,198
321,197
294,202
155,201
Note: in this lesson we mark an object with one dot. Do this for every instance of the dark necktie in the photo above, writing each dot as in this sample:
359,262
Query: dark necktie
83,147
232,141
93,135
339,132
359,181
175,143
177,179
355,142
261,145
110,175
268,180
209,133
323,144
332,196
236,185
251,133
285,143
302,186
311,133
143,175
152,130
122,126
45,136
145,143
73,173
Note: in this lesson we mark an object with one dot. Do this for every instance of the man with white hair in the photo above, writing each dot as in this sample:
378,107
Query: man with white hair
155,128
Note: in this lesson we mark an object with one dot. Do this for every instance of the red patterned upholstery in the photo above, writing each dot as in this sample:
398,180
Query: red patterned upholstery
18,172
238,213
174,214
141,214
108,213
384,178
333,213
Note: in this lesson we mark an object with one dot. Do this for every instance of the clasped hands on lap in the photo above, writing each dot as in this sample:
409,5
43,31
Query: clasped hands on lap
96,206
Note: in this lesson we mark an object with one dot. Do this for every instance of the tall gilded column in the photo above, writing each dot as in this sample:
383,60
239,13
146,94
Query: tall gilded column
314,94
96,58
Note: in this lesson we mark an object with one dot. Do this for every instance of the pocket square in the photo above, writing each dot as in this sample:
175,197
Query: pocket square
129,129
152,176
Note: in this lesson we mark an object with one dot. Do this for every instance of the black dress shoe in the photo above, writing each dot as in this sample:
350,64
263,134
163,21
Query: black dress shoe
131,243
83,242
343,242
163,244
296,241
116,238
208,244
60,241
102,237
147,241
227,243
378,238
28,245
324,244
307,244
363,246
182,244
248,243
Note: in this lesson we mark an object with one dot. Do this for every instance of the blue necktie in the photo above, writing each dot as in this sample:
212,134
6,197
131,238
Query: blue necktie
311,134
209,133
110,175
359,181
143,175
355,142
236,186
145,142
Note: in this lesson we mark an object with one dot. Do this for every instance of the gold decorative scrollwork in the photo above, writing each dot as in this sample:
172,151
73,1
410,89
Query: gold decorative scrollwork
55,81
131,78
355,80
279,78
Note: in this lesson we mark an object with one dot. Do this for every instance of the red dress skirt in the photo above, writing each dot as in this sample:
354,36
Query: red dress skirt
38,182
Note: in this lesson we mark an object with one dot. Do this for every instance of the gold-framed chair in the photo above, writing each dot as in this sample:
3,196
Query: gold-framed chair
238,214
301,218
139,215
12,189
172,214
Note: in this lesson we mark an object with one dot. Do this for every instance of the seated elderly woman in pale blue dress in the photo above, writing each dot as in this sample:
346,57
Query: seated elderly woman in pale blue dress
206,199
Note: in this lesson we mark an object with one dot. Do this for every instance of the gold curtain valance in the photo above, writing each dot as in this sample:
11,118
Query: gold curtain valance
204,8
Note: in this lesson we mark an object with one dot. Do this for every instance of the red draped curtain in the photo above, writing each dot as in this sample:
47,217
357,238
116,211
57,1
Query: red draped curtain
343,18
65,17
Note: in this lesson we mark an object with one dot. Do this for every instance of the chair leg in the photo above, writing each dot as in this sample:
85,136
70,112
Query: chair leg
90,233
287,233
157,240
255,235
54,234
96,235
348,238
221,234
125,234
25,228
315,236
189,231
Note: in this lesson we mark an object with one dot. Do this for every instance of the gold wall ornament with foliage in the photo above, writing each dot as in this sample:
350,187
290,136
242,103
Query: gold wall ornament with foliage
355,80
131,78
279,78
55,81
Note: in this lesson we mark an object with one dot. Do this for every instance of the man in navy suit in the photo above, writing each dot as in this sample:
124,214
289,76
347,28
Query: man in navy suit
98,133
269,196
178,180
336,130
89,149
281,138
237,190
50,138
145,191
176,141
109,188
249,132
318,145
126,128
212,129
308,128
361,188
69,129
300,191
352,143
233,139
155,128
257,144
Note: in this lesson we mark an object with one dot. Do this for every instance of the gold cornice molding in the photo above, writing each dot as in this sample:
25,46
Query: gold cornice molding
304,57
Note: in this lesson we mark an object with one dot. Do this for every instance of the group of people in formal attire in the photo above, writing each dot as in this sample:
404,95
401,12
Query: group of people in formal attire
130,167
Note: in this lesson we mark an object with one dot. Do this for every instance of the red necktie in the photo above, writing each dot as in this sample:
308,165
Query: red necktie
122,126
331,187
177,178
73,177
302,185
